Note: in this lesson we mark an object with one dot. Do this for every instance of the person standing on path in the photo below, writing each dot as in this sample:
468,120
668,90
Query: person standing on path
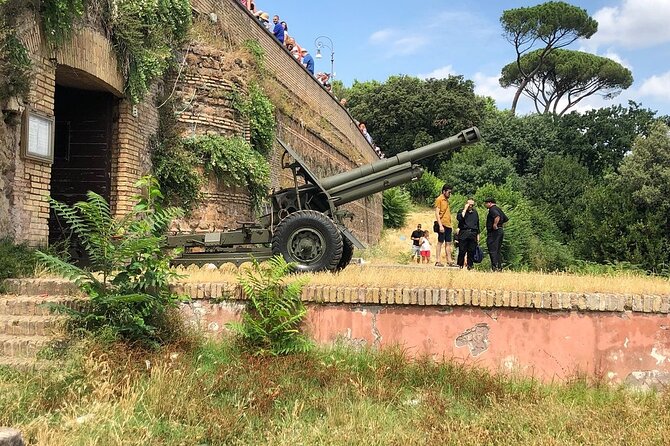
495,220
468,233
416,245
443,225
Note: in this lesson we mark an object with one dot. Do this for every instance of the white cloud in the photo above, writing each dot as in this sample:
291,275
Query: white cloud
438,73
632,24
394,43
489,86
656,87
380,37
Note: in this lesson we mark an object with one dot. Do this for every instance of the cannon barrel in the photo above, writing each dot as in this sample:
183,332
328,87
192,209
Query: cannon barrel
364,187
465,137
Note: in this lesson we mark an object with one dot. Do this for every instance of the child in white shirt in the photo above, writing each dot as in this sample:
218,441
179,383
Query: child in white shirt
424,249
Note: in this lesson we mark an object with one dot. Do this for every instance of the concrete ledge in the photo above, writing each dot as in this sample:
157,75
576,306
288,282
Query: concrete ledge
482,298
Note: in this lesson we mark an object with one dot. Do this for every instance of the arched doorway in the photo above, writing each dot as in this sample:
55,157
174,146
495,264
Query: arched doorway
84,115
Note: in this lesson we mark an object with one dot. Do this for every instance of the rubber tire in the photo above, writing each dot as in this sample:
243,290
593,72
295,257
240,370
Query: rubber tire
316,223
347,254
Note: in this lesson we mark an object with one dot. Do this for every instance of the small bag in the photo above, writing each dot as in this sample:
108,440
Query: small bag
479,255
436,226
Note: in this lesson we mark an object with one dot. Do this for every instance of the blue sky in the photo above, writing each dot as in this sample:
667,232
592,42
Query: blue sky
374,40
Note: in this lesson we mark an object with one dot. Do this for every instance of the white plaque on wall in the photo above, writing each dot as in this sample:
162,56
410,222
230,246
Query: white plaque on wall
37,140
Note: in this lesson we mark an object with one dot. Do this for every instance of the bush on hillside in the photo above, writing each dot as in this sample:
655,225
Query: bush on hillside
396,204
532,239
425,189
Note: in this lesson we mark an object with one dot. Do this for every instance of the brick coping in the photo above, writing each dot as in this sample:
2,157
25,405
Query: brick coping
481,298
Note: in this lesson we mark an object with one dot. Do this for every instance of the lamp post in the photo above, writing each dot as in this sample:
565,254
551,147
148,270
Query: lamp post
320,44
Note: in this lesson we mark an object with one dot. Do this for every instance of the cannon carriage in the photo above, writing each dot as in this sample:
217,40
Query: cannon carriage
304,223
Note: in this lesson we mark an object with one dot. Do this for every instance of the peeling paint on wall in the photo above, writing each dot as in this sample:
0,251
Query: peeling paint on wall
476,339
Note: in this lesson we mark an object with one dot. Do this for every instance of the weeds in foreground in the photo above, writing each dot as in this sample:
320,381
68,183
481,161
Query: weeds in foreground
275,311
216,394
128,279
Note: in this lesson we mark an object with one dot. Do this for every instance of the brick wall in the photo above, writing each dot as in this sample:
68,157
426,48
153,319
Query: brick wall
25,183
338,148
330,143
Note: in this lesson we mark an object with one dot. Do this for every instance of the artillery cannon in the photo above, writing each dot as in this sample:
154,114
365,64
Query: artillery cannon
304,224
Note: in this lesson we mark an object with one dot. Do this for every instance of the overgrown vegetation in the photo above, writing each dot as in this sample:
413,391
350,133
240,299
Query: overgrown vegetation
175,168
233,161
145,35
271,323
59,18
15,65
128,279
16,260
215,394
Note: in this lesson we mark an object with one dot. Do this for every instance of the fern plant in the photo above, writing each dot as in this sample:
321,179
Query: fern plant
271,324
128,278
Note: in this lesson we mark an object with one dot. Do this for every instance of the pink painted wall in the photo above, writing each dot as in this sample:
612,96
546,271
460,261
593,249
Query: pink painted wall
620,347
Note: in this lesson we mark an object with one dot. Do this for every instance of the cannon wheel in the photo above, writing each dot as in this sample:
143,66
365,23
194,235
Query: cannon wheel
310,239
347,254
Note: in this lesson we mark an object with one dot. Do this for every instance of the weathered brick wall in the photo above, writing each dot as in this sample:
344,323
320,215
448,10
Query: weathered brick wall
24,184
202,105
29,185
329,140
306,107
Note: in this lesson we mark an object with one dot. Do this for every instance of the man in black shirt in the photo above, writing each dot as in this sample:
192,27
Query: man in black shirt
416,246
468,233
494,232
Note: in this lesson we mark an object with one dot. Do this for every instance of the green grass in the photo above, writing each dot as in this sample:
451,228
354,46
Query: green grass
214,394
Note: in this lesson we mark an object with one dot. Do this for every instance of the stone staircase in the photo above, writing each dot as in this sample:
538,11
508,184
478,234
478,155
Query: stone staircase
27,323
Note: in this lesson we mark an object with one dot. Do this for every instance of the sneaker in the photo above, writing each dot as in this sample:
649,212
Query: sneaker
438,264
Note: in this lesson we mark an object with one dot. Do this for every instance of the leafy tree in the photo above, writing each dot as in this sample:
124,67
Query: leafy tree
524,140
553,24
646,172
405,112
564,78
475,166
560,182
627,218
425,189
599,139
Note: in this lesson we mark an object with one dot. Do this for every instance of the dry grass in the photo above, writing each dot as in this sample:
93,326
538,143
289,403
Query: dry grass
384,270
214,395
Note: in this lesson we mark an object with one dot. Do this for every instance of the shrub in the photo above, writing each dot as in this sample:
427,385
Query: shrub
425,189
233,161
396,204
128,282
532,239
275,310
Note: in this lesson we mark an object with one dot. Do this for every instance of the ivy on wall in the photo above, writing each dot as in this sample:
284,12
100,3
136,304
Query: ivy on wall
15,66
178,162
59,18
258,109
144,34
234,162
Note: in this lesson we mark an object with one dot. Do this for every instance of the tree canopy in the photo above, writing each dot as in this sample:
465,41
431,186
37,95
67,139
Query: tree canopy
553,24
564,78
406,112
